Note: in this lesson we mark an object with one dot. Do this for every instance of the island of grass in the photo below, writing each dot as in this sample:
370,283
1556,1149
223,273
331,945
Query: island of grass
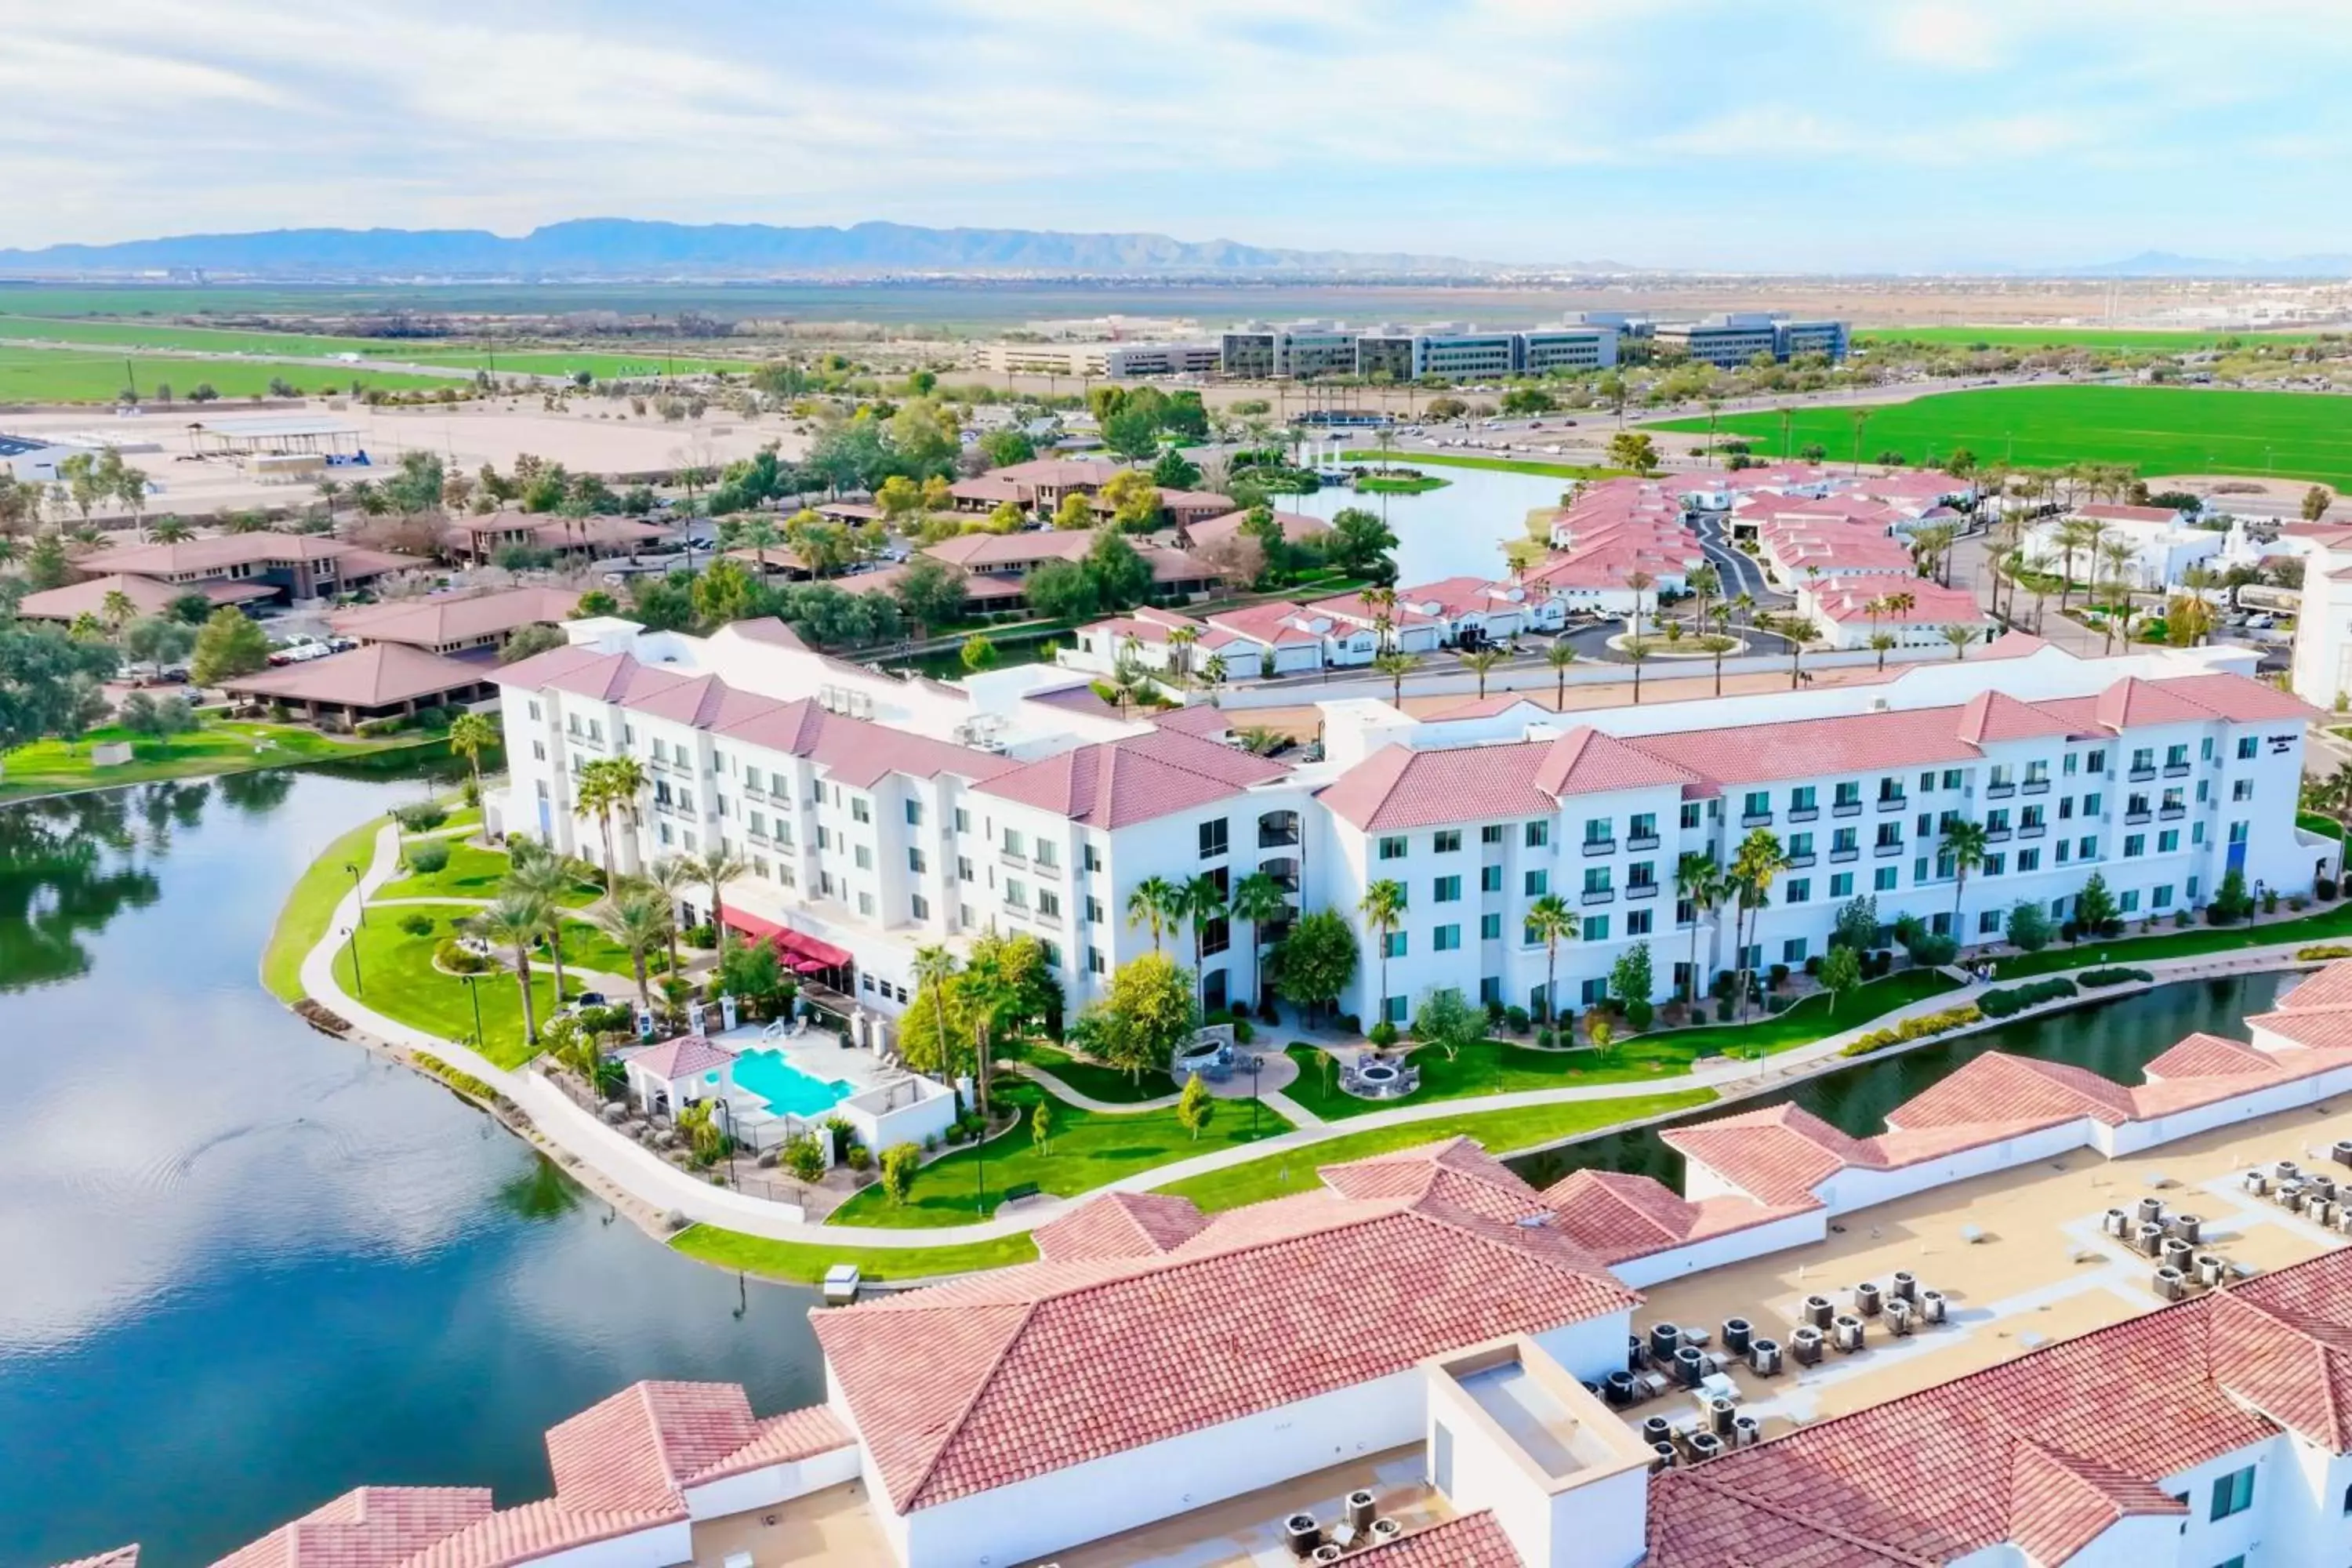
388,967
805,1262
1399,484
1086,1149
2156,429
218,746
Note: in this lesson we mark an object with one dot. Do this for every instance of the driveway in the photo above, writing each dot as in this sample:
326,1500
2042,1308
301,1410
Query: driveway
1739,571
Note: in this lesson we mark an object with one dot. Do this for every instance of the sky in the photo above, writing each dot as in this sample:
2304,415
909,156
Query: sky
1815,135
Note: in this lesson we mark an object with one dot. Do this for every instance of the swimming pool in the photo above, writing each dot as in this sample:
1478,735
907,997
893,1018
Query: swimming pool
788,1091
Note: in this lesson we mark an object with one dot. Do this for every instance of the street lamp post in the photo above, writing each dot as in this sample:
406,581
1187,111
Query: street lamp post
354,871
1256,1064
352,940
727,1119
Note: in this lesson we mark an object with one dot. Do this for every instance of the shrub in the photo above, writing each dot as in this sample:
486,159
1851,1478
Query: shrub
1918,1028
1546,1039
702,935
2096,977
1779,972
1722,1009
1931,950
899,1163
2324,890
860,1157
420,816
1639,1013
2270,900
417,922
1516,1018
1494,1012
459,959
1240,1010
1813,965
427,856
2001,1004
2323,950
1243,1033
1383,1034
805,1157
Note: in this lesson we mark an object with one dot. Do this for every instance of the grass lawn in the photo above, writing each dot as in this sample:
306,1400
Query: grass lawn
303,920
221,746
235,340
2159,429
473,872
1088,1149
1398,485
94,375
2325,827
398,979
2119,341
805,1262
1092,1080
1810,1020
2327,925
1503,1131
1500,465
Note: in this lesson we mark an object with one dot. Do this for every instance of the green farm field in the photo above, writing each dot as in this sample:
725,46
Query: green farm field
2159,430
73,375
43,330
2123,340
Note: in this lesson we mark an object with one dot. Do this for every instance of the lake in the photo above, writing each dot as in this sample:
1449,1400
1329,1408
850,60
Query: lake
1458,530
248,1267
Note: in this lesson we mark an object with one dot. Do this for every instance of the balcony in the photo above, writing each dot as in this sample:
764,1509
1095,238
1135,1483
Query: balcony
1641,890
1600,847
2031,831
1642,841
2175,770
1841,857
1011,858
1755,820
2141,775
1799,862
1846,808
2173,813
2133,818
1278,837
1886,851
1887,803
753,791
2037,786
1804,813
1599,896
1996,834
2000,791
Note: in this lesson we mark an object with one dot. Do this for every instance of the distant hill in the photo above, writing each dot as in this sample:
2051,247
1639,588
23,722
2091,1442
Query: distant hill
2166,264
590,247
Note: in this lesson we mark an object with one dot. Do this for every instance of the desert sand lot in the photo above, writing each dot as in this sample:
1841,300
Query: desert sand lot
589,438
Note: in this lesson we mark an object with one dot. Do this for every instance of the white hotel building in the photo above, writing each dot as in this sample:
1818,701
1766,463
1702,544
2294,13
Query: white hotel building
880,815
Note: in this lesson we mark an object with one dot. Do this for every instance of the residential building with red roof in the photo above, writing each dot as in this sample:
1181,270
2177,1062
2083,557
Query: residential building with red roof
229,567
1849,612
2163,546
1798,547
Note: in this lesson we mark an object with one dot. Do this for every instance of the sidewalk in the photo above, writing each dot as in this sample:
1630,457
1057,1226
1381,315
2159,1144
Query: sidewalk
655,1183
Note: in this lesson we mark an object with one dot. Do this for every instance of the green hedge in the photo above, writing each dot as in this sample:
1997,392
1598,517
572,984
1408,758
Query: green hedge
2016,998
2113,976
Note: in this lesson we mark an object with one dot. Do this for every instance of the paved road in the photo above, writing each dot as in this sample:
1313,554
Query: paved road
1741,571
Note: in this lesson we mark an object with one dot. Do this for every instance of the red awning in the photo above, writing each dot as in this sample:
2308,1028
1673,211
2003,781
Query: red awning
751,926
801,952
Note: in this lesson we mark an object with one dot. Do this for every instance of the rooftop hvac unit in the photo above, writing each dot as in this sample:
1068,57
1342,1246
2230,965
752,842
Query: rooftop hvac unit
2187,1228
1690,1365
1846,1334
1665,1338
2286,1169
1866,1300
1385,1531
1719,1412
2320,1213
2290,1196
1703,1446
1747,1432
1361,1510
1303,1534
1329,1552
2210,1271
2342,1152
1737,1335
1805,1346
2150,1209
1900,1316
2344,1218
2320,1187
2176,1253
2115,1223
2170,1285
1661,1456
1905,1287
2258,1183
1818,1312
1617,1390
1637,1354
1764,1358
2149,1237
1931,1306
1657,1429
1699,1337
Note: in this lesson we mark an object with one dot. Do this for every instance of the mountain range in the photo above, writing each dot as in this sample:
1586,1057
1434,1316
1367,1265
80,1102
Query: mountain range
2166,264
594,247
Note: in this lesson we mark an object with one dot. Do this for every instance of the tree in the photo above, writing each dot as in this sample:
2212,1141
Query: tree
1007,446
1259,900
1964,844
714,868
2231,900
1841,974
1196,1107
157,640
1856,924
1121,576
1041,1124
2028,928
1074,513
1758,860
1382,906
1396,666
638,921
538,637
230,644
898,1166
1550,921
1060,590
1631,449
1448,1022
1316,960
1200,901
1147,1012
932,592
609,786
2316,502
995,987
1881,642
544,879
1359,542
1959,637
1157,904
471,734
1481,660
1631,981
46,566
1175,471
1698,882
2095,914
1560,655
47,681
514,922
979,654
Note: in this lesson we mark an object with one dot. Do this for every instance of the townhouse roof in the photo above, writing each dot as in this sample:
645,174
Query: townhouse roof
1205,720
1120,1225
1473,1540
1296,526
1278,624
1802,748
375,676
1618,1216
216,554
680,1058
147,596
1931,604
2106,512
968,1386
444,619
1453,596
1996,716
1400,787
1777,1155
1585,761
1351,608
995,489
982,552
1113,783
2045,1452
119,1557
367,1527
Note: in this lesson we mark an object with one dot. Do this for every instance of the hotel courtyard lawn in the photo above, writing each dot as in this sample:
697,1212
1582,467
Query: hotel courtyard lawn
221,746
1088,1150
805,1262
473,872
2331,924
1502,1131
1417,459
1091,1079
2156,429
396,977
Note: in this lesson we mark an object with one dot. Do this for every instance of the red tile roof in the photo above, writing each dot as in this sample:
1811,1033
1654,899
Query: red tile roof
964,1387
1777,1155
1116,783
1584,761
512,1536
1474,1540
1120,1225
120,1557
1997,1087
1996,716
378,675
1399,787
446,618
1619,1217
367,1527
681,1058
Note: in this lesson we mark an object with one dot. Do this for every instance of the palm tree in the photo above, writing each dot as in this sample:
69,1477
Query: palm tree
1199,901
1704,582
1861,420
1880,642
1698,882
1637,654
1759,860
672,876
171,530
1799,631
607,785
2074,536
934,966
544,879
1964,841
1380,604
638,921
1559,656
1959,637
1745,603
1180,651
1396,666
1482,660
1213,672
1259,899
1156,903
989,991
1718,645
514,922
1383,908
715,867
1550,921
471,734
1639,582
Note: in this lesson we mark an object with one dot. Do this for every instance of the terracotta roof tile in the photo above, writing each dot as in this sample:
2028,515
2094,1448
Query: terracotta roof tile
1777,1155
1474,1540
374,676
512,1536
783,1439
2060,1503
632,1452
367,1527
2020,1091
1120,1225
1586,762
1117,783
679,1058
120,1557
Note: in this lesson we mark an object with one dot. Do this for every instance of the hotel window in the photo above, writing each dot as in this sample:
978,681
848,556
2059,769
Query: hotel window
1849,794
2064,847
1800,890
963,869
1800,845
1951,778
1015,844
1988,922
1445,841
1490,879
914,814
2091,805
2233,1493
919,906
2168,841
1539,834
861,809
962,820
1093,909
2135,845
825,884
866,905
1392,848
2129,903
1792,952
1639,922
1882,881
1801,798
864,856
1596,928
1691,815
1600,829
1048,855
2237,833
2095,762
2245,746
2086,848
539,751
1491,834
1392,945
1538,883
1596,879
2029,860
916,863
1446,938
1096,962
1446,890
2037,772
2196,833
1016,893
759,868
824,837
1049,905
1643,825
1842,885
1394,1006
2162,898
1758,804
1090,858
1994,865
2177,756
534,709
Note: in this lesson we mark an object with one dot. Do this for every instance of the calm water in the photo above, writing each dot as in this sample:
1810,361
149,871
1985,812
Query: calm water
244,1267
1458,530
2113,1039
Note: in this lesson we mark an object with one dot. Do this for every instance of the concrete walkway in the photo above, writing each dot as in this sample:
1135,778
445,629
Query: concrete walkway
666,1189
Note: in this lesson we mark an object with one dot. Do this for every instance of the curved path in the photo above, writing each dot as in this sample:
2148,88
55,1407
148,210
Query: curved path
663,1188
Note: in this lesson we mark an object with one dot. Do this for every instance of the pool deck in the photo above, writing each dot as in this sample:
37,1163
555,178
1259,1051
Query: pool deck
819,1053
2039,1269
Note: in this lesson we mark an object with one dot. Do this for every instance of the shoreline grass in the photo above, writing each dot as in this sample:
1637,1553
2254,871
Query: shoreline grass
804,1263
1419,459
219,747
303,920
2193,942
